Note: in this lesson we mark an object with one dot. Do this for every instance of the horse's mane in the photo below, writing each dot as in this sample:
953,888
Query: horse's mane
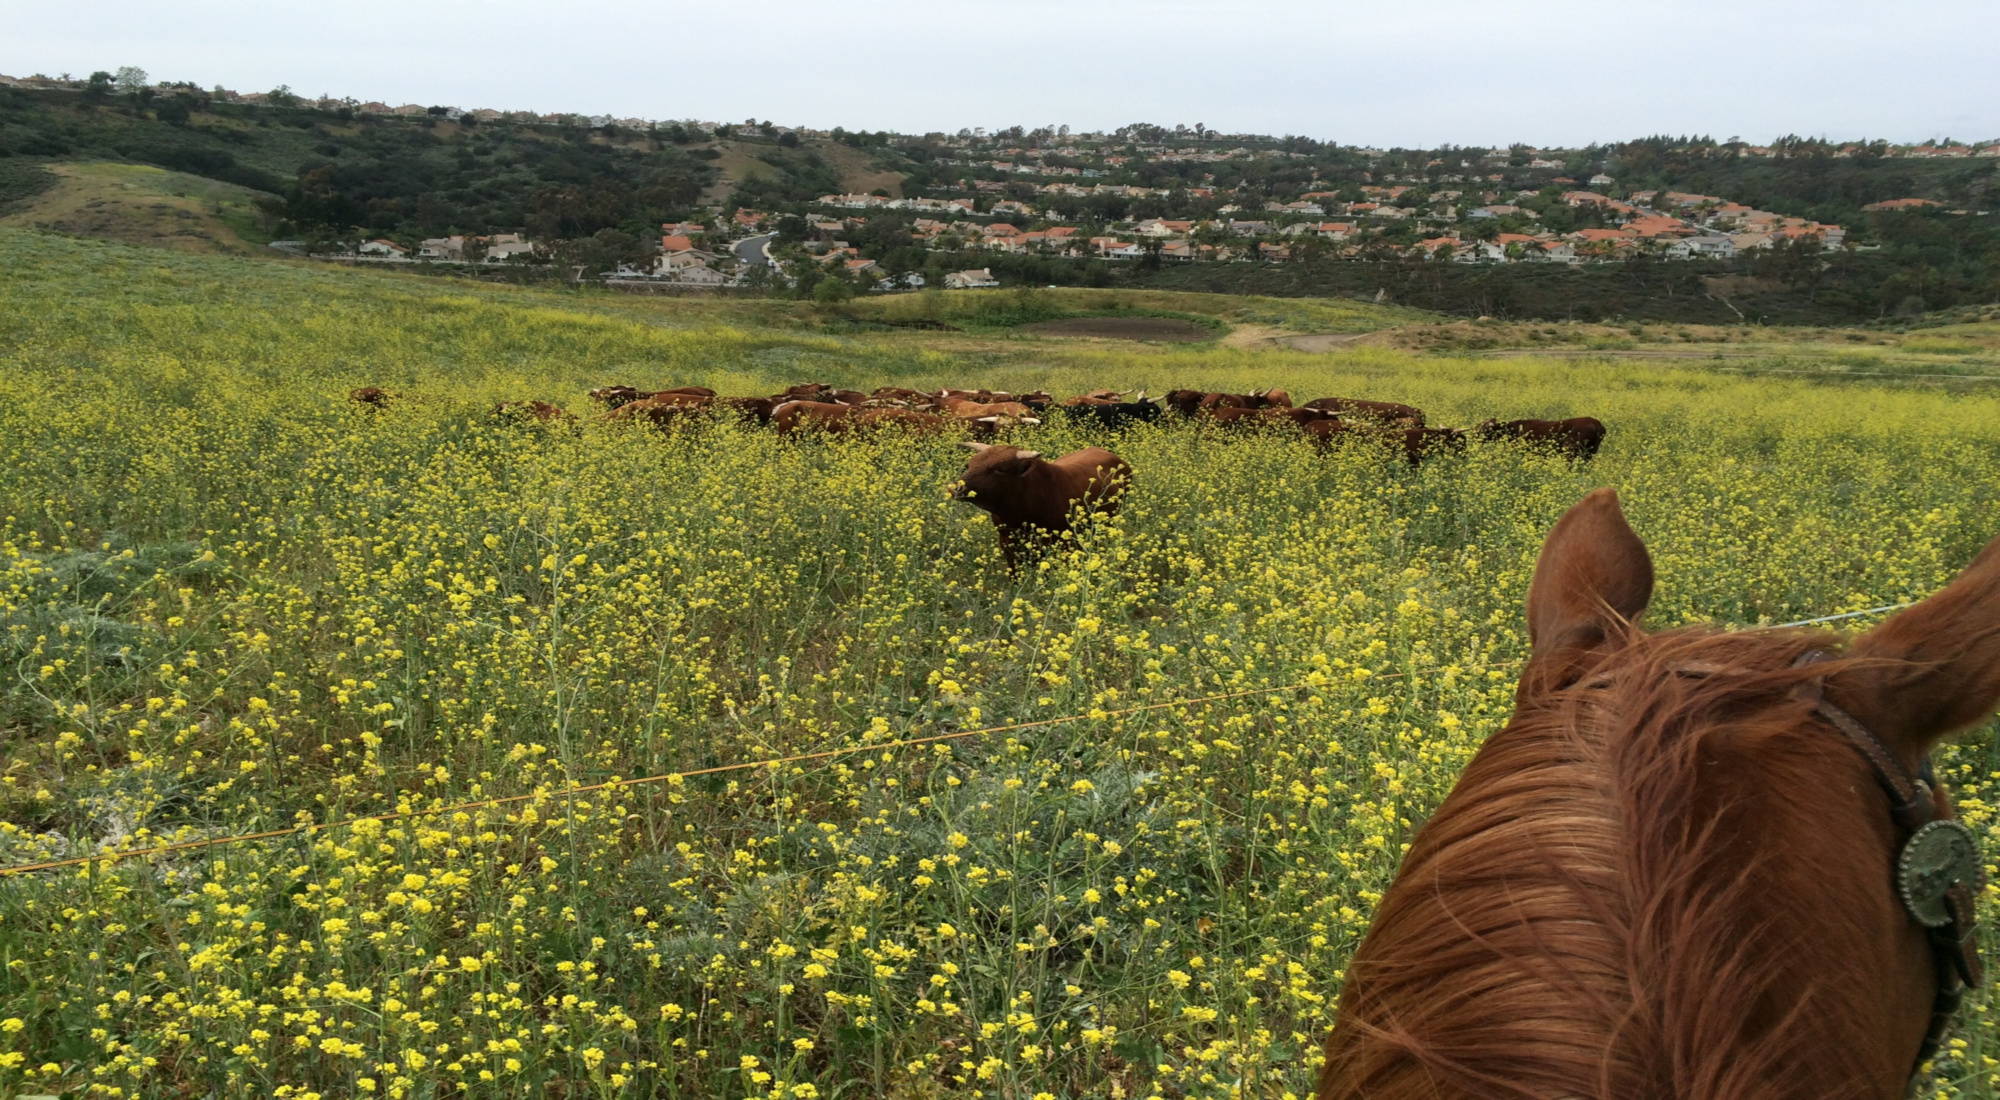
1617,899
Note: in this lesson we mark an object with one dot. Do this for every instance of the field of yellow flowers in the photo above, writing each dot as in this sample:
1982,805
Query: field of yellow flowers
231,602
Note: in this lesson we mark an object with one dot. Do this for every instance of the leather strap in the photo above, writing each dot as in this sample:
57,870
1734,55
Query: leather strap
1912,805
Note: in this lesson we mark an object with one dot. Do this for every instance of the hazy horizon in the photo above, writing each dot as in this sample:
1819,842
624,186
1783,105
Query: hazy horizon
1567,73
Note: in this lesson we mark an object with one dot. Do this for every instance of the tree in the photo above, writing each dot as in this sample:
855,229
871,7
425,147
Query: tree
173,110
98,88
130,79
283,96
832,290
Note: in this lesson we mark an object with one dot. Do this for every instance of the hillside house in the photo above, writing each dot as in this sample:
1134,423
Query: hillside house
379,247
443,249
1432,246
679,258
970,280
501,247
1710,246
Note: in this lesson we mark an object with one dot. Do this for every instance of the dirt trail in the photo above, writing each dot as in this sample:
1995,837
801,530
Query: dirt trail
1321,341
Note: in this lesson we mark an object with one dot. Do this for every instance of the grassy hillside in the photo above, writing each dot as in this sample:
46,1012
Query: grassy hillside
140,204
232,601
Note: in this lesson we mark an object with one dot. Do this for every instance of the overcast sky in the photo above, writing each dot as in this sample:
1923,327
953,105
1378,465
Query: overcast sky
1387,72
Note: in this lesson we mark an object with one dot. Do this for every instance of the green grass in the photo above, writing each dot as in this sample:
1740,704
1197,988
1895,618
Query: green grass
231,601
141,204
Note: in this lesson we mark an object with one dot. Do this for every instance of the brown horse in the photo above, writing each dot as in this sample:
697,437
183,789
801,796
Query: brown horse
1675,873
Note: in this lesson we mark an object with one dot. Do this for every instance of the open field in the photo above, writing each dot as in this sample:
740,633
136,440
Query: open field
233,602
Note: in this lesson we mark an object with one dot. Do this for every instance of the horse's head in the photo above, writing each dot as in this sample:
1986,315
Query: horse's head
1676,871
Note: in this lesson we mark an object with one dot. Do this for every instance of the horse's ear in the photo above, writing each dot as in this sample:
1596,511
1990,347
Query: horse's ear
1940,669
1593,578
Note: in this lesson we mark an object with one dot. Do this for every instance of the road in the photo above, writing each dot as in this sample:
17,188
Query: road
750,251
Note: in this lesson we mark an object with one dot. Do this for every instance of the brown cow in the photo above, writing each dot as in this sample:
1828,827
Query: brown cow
612,397
754,409
1388,412
693,391
1036,401
661,410
836,419
1031,498
374,397
794,416
1579,437
964,409
1327,432
1248,418
804,391
1191,402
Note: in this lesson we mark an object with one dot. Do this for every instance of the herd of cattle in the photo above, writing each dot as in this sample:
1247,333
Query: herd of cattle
984,414
1033,499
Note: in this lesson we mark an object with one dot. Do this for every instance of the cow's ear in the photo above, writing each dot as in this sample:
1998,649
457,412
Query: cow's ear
1592,581
1937,666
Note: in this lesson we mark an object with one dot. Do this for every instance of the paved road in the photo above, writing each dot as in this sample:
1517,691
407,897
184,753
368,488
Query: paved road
750,250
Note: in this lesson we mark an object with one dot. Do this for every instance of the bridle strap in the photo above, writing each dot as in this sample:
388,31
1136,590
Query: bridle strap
1912,805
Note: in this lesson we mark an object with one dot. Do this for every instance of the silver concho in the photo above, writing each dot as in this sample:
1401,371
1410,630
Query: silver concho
1937,857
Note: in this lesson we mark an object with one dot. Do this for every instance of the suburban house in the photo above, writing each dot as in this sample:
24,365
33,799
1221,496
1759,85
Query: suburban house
1707,246
968,280
379,247
449,249
1162,227
506,246
681,261
1431,246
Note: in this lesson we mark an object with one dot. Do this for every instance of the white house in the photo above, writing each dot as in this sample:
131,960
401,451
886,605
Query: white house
449,249
967,280
1707,247
379,247
506,246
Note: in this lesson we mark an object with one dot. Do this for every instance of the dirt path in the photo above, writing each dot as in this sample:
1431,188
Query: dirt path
1321,341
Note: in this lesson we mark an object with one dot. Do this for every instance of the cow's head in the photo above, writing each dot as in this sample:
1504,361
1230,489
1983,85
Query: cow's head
994,474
